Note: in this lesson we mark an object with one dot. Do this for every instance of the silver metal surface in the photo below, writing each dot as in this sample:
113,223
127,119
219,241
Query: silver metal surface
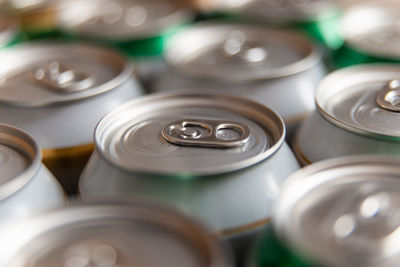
343,212
23,6
389,97
132,158
207,133
26,186
348,99
372,28
238,52
131,136
28,71
121,19
290,11
138,234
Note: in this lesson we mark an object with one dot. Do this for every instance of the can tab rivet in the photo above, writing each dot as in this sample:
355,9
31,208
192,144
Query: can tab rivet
60,78
389,97
206,133
238,48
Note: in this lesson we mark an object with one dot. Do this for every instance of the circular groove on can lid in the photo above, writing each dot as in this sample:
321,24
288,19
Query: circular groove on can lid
138,234
131,137
348,99
289,11
239,52
373,28
50,73
343,212
121,19
19,159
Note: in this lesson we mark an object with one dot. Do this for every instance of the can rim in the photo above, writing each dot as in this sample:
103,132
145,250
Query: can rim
172,55
158,214
127,68
275,118
24,143
345,73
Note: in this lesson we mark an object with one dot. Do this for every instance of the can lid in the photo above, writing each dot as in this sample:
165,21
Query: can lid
235,52
373,28
343,212
121,19
19,159
110,235
8,30
49,73
291,11
363,99
189,134
24,5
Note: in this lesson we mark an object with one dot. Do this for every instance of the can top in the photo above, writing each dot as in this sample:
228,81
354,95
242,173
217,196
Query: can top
235,52
343,212
8,30
373,28
50,73
19,159
364,99
188,134
121,19
110,235
291,11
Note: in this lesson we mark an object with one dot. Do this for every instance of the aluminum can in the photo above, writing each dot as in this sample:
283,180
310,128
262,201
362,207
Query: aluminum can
371,34
37,18
110,235
338,212
279,69
357,113
26,186
319,19
218,158
57,93
139,28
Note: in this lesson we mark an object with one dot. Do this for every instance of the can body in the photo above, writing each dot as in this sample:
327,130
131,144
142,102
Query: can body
27,187
281,71
63,122
207,182
363,122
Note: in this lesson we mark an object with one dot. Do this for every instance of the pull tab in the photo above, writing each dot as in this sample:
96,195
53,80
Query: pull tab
236,47
60,78
389,97
206,133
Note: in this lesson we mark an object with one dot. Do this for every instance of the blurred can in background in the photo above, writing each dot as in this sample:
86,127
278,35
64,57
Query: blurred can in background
26,186
9,31
57,93
279,69
319,19
371,33
110,235
37,18
139,28
358,112
339,212
218,158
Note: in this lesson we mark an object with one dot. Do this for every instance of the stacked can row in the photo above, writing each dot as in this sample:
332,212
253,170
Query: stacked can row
207,151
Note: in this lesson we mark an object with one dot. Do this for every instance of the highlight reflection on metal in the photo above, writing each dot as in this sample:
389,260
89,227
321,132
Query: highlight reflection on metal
61,78
389,97
207,133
